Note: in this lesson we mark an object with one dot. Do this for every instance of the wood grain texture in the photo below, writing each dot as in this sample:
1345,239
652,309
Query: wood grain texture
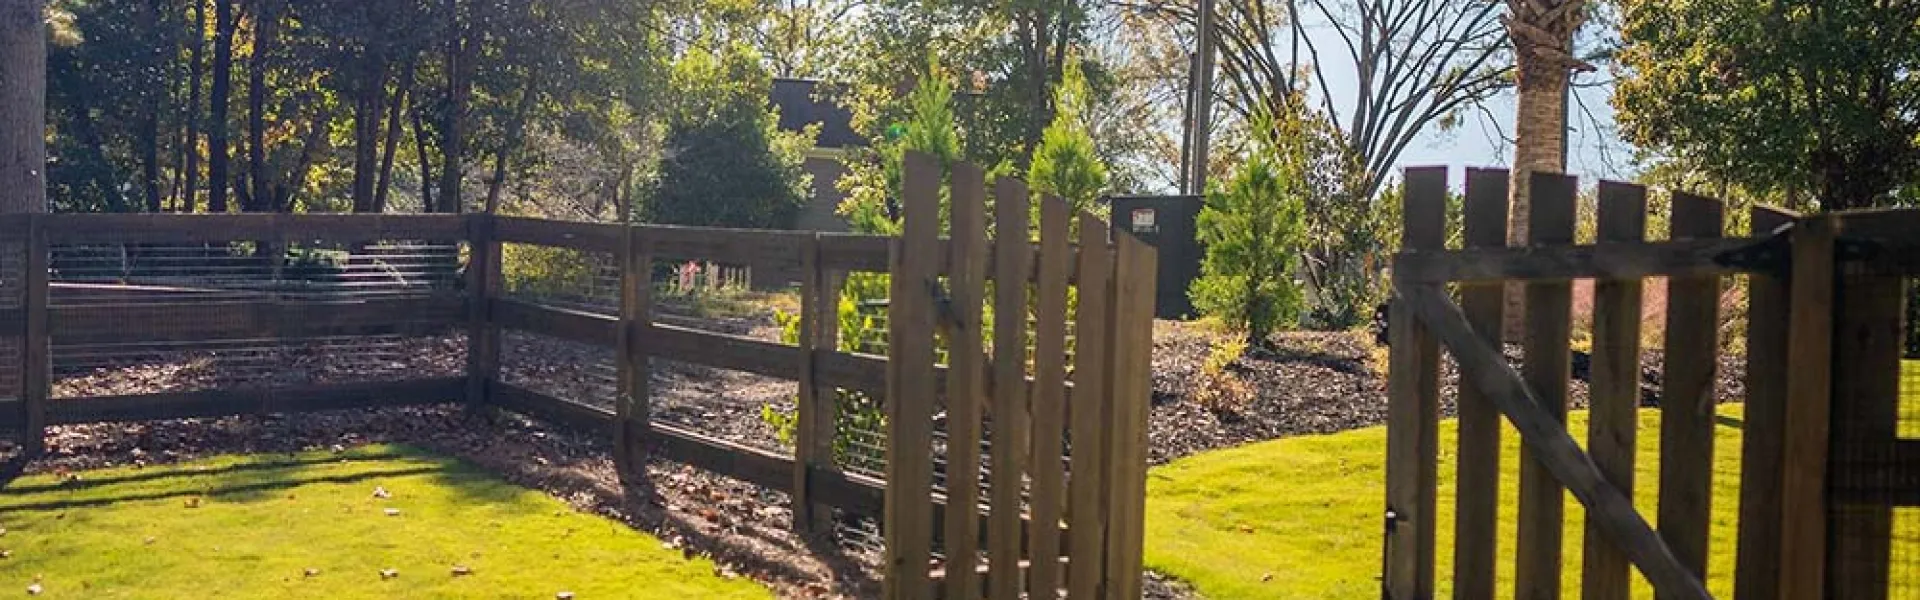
482,284
1413,401
910,399
966,379
1090,411
1132,392
1547,371
230,402
1865,423
1803,510
1049,403
1757,572
36,374
1544,433
1680,258
1687,398
593,237
1477,489
633,415
1613,422
1009,411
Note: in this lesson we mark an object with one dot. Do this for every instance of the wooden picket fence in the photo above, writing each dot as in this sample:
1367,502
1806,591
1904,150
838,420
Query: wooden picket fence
1822,467
94,293
1085,523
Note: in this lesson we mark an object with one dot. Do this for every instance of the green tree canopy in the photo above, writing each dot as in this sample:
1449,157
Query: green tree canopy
1065,163
1808,99
726,163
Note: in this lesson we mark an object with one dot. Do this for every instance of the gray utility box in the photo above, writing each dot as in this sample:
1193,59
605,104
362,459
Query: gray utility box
1168,223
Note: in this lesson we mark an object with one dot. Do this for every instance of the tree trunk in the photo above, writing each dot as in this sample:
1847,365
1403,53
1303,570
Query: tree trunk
402,90
460,67
189,194
266,30
516,131
366,132
426,162
218,159
1542,34
23,106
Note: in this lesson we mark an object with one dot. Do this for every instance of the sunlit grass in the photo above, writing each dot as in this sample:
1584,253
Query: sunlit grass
311,526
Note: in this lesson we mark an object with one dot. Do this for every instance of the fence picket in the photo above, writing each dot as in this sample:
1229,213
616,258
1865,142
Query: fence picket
1413,407
1090,411
1132,386
810,452
1478,486
1548,371
966,381
910,389
1686,397
1803,510
1758,570
1011,265
1049,397
1614,421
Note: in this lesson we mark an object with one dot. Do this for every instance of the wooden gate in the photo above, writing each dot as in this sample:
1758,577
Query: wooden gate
1064,477
1822,462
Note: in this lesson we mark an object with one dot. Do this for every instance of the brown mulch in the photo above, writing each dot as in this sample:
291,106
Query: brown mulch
1321,382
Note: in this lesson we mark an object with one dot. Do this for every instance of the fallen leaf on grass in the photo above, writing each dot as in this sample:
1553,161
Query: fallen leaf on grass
34,590
459,570
380,492
386,574
193,502
393,512
310,572
563,596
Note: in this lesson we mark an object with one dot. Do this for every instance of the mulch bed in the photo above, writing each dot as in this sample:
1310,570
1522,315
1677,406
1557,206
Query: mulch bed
1317,382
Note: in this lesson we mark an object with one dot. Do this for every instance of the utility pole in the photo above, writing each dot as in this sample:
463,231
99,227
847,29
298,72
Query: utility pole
1202,99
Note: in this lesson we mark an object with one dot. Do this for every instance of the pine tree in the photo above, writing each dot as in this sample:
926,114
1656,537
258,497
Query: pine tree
1065,164
1253,230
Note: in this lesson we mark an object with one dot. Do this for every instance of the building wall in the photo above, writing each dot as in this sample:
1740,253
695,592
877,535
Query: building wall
819,213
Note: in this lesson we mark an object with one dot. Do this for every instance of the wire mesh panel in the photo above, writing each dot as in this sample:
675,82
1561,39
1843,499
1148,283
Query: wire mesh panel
151,317
558,277
13,257
568,370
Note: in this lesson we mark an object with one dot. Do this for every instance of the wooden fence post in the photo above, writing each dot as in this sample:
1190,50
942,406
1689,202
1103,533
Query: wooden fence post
1757,574
1477,486
1686,397
1614,423
1011,257
1413,400
36,371
1132,387
1548,371
966,380
483,337
632,411
809,453
1091,410
1803,509
910,389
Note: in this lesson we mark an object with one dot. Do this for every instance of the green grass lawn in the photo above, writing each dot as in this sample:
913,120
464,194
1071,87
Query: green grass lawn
1301,517
253,527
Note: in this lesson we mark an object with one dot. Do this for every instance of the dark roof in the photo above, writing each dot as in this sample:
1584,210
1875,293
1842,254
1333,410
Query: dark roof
804,102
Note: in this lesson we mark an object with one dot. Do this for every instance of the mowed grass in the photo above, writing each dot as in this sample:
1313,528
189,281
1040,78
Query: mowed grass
252,527
1302,517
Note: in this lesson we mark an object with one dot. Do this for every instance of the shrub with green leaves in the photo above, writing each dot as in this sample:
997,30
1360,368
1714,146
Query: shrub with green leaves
1252,228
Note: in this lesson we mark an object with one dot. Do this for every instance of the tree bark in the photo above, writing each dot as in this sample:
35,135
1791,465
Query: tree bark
460,68
366,130
516,131
218,101
1544,67
266,29
402,91
426,162
23,106
190,147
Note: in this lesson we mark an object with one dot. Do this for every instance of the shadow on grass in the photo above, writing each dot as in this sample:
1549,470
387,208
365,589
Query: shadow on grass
160,473
247,492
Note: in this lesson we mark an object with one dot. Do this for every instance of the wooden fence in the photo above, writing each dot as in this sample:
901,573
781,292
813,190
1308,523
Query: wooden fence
93,296
1806,368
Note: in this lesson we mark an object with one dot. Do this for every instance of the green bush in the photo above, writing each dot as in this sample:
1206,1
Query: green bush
1252,228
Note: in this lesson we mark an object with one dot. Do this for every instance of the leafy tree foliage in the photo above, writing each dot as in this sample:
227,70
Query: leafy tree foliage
1253,230
1066,164
873,181
726,163
1806,100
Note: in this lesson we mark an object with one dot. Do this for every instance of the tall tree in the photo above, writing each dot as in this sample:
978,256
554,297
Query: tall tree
1807,102
23,92
190,146
266,37
219,100
1065,163
1542,32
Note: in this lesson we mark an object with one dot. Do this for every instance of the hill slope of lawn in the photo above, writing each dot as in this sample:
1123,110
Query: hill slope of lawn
1301,517
312,525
